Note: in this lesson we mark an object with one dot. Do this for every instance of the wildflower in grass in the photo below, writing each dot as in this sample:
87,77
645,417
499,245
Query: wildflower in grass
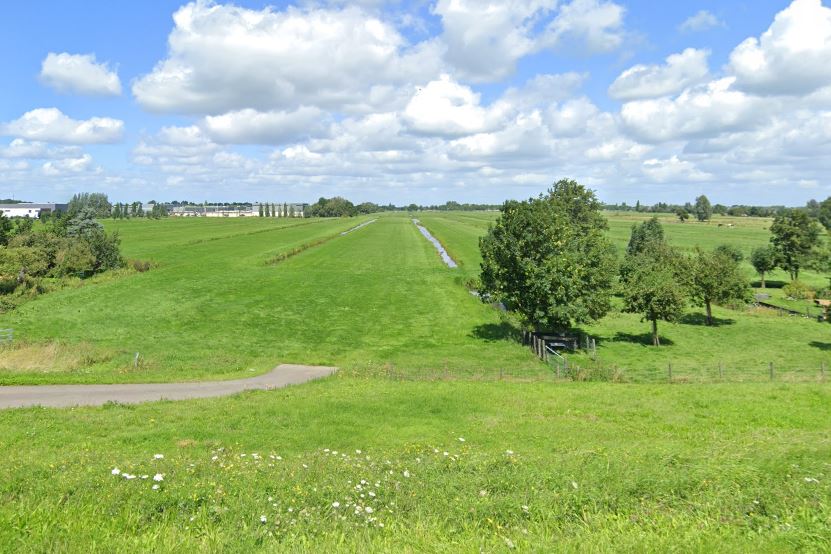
158,477
461,439
446,453
336,505
371,494
155,487
574,485
116,471
263,519
509,452
215,458
811,480
357,452
144,476
368,509
406,474
158,456
129,476
524,508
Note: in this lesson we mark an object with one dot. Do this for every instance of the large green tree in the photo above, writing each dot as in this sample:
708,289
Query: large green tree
763,259
703,209
643,235
794,236
95,201
549,260
716,278
653,284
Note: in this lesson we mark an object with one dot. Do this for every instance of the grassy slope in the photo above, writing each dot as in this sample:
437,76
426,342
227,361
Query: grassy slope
214,308
745,342
595,467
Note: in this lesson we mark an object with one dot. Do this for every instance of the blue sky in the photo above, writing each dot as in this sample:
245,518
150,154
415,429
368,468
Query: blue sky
420,101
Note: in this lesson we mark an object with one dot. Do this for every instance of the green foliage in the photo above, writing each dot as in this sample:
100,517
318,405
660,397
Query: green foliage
795,236
682,214
823,213
5,229
267,210
97,202
653,283
716,278
764,260
549,260
703,210
262,213
731,251
331,207
644,235
798,290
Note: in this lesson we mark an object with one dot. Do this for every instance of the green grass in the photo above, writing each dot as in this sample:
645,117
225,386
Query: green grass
594,467
545,465
745,342
214,308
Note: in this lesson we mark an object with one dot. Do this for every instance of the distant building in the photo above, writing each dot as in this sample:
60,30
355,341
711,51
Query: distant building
210,210
30,210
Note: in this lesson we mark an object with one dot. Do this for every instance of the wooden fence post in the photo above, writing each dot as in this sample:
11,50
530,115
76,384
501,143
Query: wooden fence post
720,371
822,371
669,368
771,370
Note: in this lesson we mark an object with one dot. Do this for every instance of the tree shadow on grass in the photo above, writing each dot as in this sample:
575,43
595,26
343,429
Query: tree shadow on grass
492,332
824,346
644,339
699,318
768,284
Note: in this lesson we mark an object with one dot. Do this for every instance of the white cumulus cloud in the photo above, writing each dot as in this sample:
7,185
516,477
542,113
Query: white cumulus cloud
51,125
791,57
649,81
79,73
702,20
699,111
224,58
252,127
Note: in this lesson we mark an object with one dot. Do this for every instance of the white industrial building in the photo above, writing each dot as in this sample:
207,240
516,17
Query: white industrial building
30,210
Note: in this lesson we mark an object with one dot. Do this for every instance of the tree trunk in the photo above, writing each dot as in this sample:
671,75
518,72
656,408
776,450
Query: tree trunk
656,340
709,312
763,279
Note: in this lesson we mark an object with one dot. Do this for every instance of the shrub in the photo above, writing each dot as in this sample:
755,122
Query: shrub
140,265
798,291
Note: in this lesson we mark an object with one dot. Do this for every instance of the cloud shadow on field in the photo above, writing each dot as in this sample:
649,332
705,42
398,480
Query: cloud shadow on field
492,332
699,318
824,346
644,339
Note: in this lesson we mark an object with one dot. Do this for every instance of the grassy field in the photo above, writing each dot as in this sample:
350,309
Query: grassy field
744,342
214,308
351,464
416,444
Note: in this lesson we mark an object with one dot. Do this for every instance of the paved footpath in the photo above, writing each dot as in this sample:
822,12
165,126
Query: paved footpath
95,395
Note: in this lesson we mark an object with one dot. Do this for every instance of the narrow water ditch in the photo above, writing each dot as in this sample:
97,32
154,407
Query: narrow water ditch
364,224
445,257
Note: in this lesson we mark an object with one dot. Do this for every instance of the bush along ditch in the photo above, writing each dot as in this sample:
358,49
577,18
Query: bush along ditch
36,260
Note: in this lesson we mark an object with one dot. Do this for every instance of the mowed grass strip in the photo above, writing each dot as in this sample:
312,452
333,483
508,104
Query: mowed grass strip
459,466
374,299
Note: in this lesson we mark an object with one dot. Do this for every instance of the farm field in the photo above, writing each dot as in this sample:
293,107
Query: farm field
440,433
375,299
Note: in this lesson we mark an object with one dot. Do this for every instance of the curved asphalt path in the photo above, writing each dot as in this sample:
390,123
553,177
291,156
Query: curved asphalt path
95,395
